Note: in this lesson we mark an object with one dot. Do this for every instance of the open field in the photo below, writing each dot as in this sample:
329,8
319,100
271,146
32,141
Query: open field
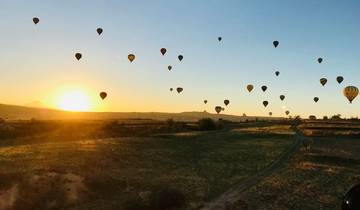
124,172
149,164
316,178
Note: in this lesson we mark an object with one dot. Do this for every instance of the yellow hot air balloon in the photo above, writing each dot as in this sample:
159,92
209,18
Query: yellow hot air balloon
350,92
131,57
250,88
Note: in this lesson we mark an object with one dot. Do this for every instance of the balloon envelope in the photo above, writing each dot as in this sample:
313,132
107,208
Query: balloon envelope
169,68
103,95
179,89
171,89
180,57
205,101
339,79
265,103
323,81
36,20
250,88
282,97
263,88
78,56
99,30
316,99
131,57
287,112
218,109
275,43
226,102
351,92
219,38
163,51
320,60
277,73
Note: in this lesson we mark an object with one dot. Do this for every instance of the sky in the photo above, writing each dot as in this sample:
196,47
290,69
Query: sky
37,63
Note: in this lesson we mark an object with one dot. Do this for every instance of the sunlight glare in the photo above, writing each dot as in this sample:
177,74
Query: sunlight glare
74,101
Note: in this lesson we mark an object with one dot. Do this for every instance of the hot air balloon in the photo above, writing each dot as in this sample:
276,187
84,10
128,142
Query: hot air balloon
250,88
265,103
171,89
205,101
226,102
180,57
163,51
277,73
103,95
99,31
219,38
287,112
270,113
218,109
275,43
320,60
169,68
339,79
222,109
131,57
263,88
282,97
36,20
350,92
78,56
179,89
316,99
323,81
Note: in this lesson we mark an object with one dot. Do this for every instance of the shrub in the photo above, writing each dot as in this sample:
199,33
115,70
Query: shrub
167,198
207,124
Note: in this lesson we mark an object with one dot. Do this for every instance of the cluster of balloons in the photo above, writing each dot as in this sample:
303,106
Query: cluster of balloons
350,92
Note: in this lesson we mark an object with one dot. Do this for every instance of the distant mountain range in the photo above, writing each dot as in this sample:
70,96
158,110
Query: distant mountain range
12,112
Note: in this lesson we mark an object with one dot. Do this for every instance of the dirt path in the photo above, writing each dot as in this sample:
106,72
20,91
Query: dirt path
227,199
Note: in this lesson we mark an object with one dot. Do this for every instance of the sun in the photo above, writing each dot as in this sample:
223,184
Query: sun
75,100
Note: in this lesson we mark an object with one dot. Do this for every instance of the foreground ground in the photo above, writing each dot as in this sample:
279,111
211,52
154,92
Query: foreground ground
155,166
129,172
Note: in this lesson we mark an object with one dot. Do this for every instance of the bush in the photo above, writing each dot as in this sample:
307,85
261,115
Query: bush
207,124
167,198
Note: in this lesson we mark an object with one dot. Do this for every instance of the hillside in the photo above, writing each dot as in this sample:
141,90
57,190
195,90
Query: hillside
12,112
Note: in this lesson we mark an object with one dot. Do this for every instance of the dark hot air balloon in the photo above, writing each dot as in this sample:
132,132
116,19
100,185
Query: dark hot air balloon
339,79
320,60
205,101
218,109
265,103
103,95
180,57
277,73
219,38
163,51
250,88
287,112
99,31
78,56
263,88
275,43
36,20
131,57
323,81
171,89
316,99
282,97
179,89
270,113
169,68
226,102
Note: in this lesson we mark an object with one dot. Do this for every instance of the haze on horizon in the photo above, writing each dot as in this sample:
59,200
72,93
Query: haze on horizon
38,65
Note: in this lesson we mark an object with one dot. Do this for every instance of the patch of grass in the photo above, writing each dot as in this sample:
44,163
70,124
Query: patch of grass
316,178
